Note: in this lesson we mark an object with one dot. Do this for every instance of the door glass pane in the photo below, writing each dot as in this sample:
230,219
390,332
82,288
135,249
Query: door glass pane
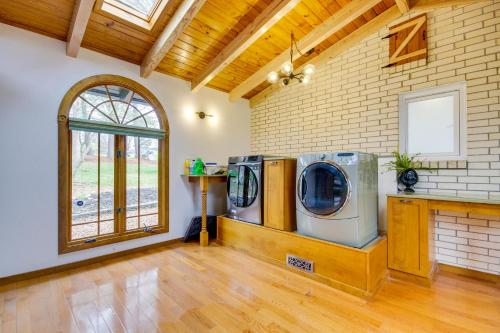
84,187
431,125
107,183
232,184
132,183
323,189
247,187
148,179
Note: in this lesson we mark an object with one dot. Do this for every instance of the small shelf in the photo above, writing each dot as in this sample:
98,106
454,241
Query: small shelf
211,178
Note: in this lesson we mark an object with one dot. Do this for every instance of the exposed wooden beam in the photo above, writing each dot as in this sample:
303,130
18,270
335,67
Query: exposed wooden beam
269,16
403,5
379,22
334,23
81,15
358,35
177,24
428,5
373,26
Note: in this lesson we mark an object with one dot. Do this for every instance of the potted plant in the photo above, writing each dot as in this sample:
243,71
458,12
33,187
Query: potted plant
405,167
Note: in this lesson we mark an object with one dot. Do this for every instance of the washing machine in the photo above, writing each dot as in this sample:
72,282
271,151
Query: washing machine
244,188
337,197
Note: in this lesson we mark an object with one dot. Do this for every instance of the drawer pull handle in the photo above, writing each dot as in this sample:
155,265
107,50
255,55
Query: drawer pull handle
273,163
405,201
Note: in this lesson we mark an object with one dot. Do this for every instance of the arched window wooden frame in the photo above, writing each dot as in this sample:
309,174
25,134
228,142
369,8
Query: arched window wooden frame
64,164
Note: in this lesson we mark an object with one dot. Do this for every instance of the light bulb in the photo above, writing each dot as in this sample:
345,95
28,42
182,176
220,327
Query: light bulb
273,77
309,69
287,68
306,79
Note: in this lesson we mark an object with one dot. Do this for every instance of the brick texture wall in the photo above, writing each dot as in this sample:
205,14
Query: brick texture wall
468,240
352,104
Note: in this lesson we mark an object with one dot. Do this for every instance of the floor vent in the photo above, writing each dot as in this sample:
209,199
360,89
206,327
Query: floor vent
299,263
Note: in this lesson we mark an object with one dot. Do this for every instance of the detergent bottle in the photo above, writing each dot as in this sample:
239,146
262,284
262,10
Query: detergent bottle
199,167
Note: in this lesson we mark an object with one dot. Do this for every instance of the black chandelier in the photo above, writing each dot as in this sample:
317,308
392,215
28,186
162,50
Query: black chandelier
286,74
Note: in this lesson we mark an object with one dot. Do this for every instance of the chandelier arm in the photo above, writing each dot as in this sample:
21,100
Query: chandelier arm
287,78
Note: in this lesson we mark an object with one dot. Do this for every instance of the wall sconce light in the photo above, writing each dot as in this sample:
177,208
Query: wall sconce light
203,115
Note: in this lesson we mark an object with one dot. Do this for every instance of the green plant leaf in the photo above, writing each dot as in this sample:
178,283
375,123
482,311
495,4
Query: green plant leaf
404,162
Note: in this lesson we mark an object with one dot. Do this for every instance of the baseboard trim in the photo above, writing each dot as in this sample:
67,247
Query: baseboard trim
470,273
61,268
419,280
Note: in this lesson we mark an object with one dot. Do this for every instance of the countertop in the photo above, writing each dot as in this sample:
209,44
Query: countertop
223,175
276,158
444,198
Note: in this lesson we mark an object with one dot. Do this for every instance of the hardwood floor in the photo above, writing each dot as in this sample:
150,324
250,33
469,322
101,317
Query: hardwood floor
188,288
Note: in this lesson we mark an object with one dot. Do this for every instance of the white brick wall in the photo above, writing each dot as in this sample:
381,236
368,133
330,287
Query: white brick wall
468,240
352,104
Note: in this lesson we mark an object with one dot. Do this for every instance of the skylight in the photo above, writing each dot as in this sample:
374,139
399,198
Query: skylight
140,12
145,7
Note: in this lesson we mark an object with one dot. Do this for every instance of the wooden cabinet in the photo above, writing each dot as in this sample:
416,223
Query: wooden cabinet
410,236
279,194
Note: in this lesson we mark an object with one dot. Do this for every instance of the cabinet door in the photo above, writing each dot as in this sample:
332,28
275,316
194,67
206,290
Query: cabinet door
274,172
408,235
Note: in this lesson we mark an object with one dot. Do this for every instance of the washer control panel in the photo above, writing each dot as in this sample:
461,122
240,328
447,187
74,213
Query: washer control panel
346,158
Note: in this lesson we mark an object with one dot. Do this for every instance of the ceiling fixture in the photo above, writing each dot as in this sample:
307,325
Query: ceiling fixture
286,74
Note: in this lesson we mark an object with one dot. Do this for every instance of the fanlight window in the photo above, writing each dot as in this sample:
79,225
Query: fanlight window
114,105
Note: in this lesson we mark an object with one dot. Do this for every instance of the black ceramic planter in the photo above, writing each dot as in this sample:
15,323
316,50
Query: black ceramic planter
408,178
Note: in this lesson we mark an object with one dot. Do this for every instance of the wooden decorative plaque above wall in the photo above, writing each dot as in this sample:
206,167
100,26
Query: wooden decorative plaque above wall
408,41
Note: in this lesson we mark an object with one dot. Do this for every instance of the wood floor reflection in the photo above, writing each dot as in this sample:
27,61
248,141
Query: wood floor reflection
187,288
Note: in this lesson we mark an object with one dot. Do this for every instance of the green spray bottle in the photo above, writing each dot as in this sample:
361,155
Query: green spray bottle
198,167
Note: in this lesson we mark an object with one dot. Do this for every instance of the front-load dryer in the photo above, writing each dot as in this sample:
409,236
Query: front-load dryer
244,188
337,197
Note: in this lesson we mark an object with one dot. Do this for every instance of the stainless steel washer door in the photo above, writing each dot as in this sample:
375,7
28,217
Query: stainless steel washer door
323,188
242,186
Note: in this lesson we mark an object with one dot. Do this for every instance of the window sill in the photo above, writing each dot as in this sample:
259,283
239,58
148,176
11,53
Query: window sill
441,158
79,245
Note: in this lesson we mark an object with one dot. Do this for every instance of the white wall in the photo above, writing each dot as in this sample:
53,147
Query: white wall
35,74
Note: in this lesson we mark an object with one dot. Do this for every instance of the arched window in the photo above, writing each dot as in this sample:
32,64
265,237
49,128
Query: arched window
113,163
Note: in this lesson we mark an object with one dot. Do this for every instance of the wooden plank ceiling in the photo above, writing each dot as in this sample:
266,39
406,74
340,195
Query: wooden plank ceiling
213,28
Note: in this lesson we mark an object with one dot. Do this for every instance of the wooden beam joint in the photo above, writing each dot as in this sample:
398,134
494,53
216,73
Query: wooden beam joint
333,24
263,22
374,25
403,5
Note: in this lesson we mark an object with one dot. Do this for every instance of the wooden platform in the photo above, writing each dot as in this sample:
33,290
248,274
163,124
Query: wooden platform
356,271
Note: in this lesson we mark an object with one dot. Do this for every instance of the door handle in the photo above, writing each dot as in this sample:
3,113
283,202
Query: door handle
303,189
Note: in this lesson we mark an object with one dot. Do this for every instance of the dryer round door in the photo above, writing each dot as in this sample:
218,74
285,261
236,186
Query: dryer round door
323,188
242,186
